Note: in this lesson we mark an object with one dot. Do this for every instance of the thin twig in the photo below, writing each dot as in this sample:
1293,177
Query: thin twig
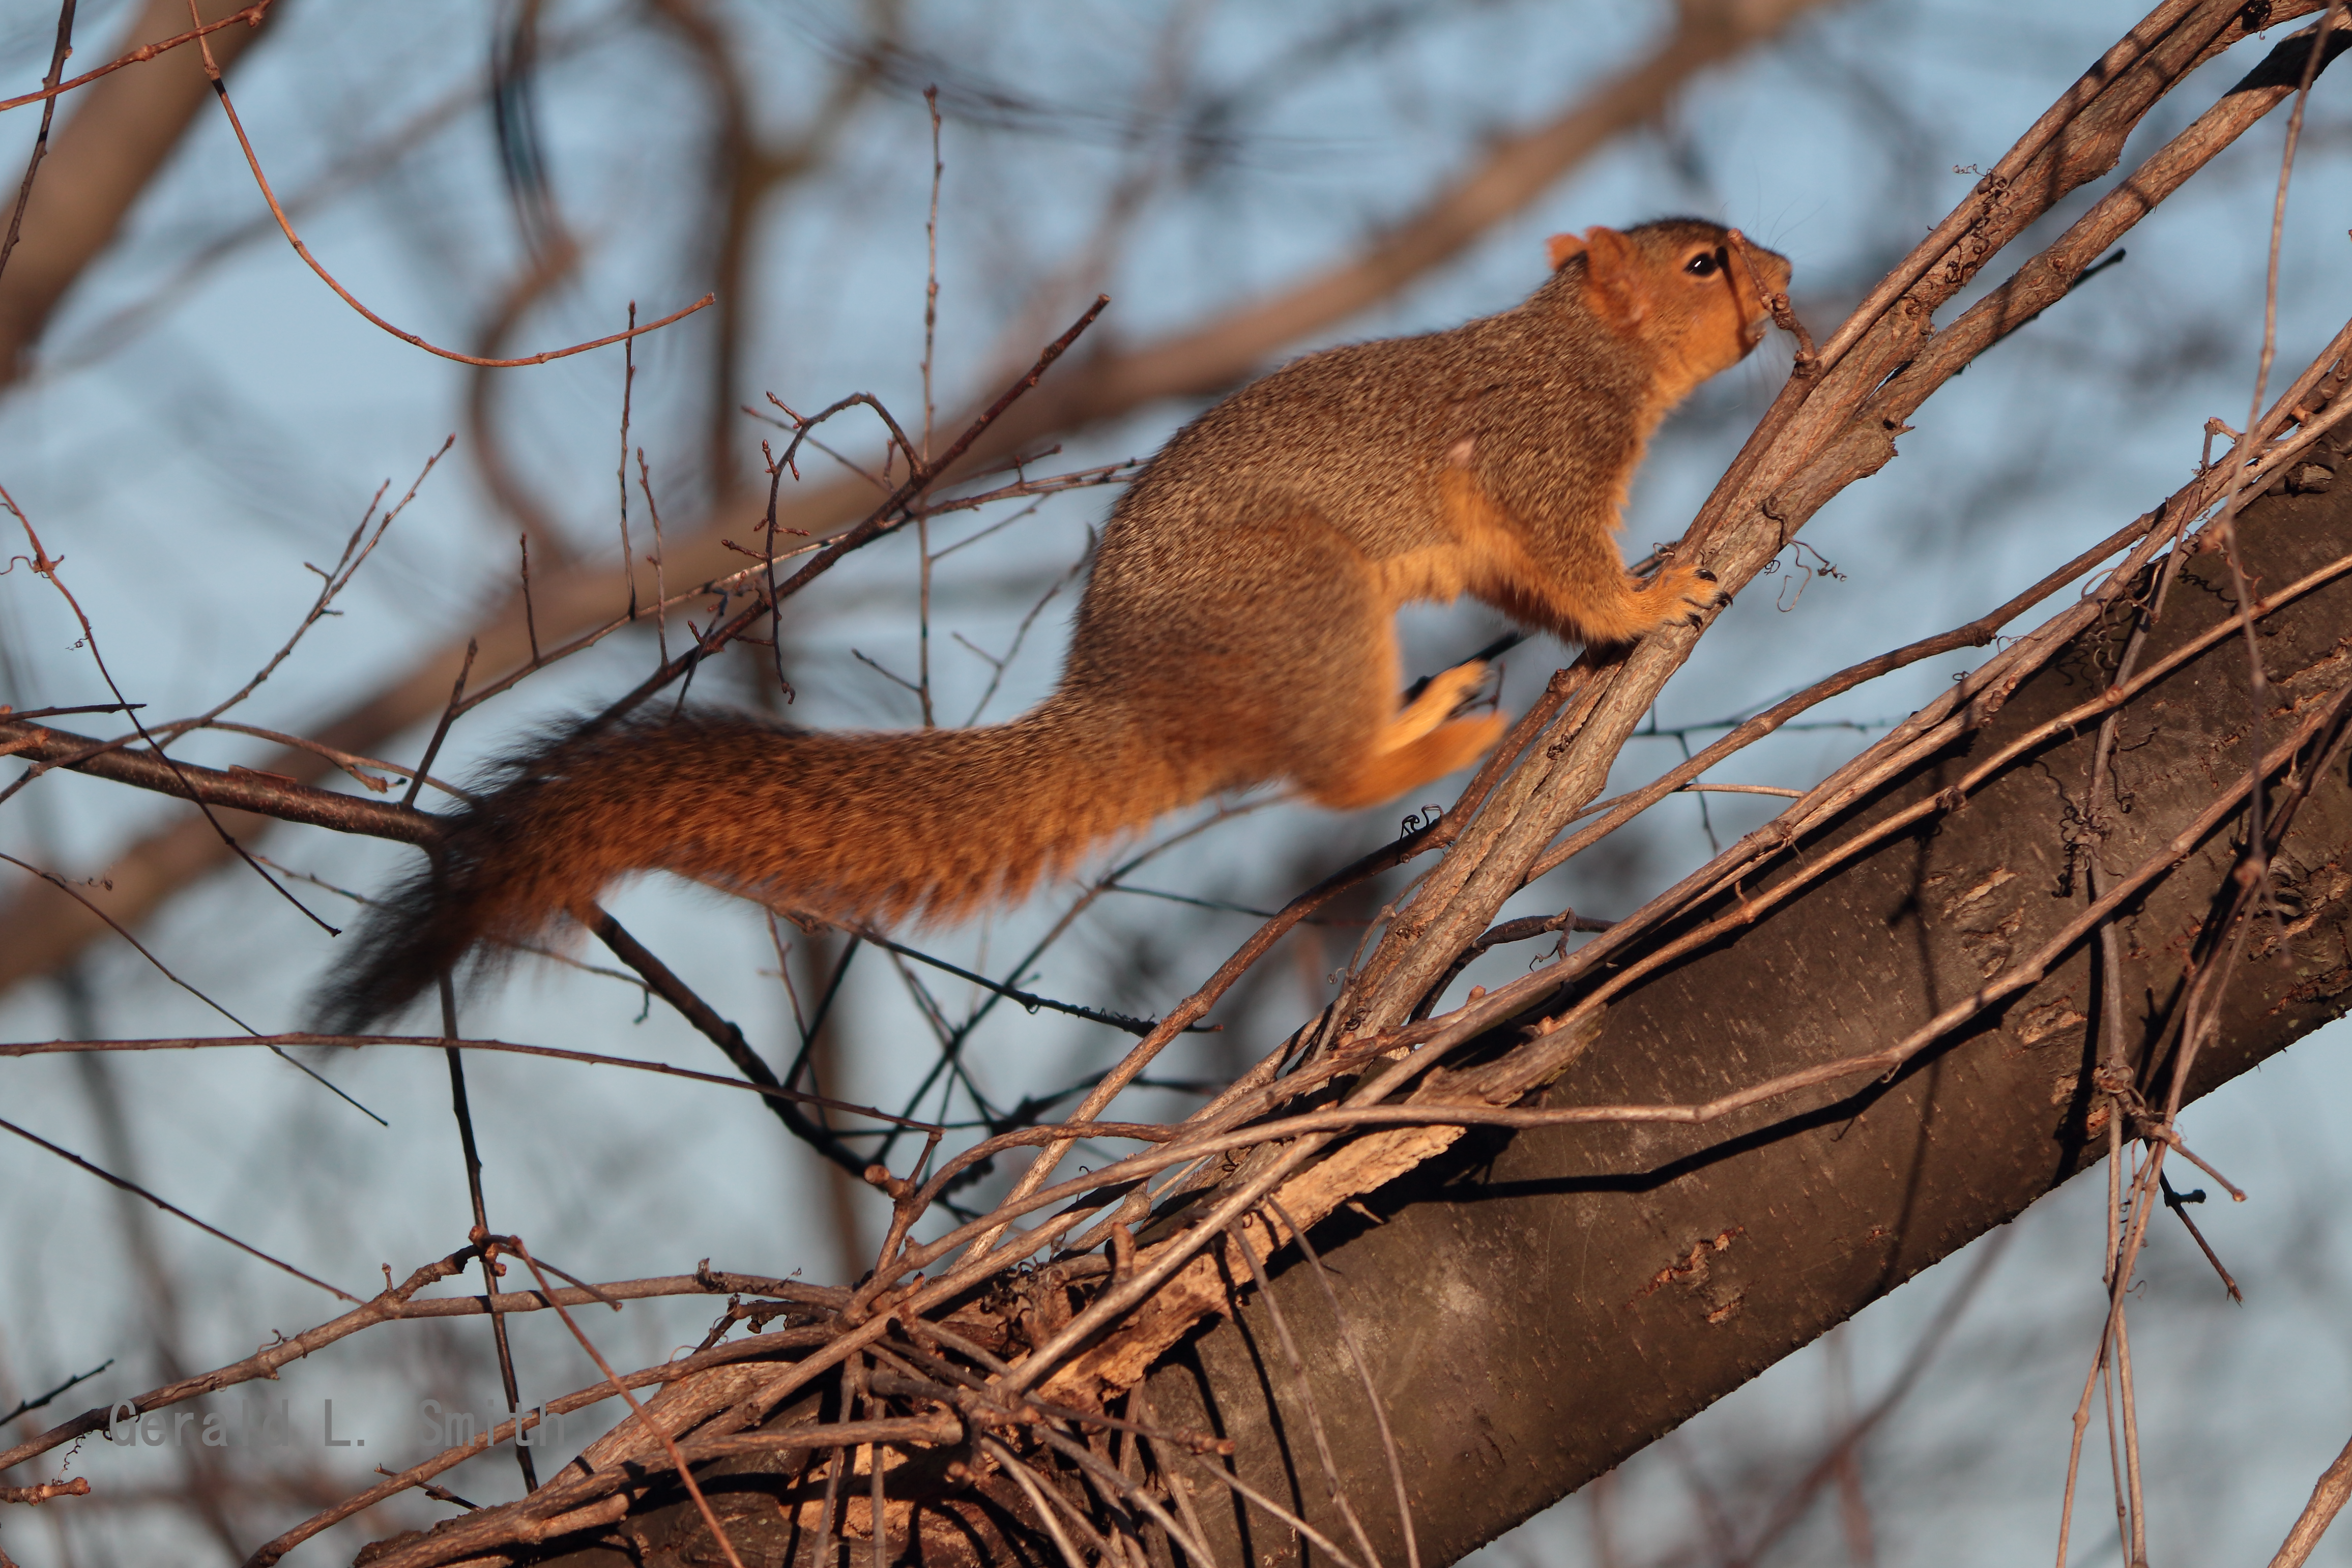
135,1190
486,1247
37,1401
878,521
628,386
164,970
57,54
2327,1497
2179,1205
661,593
251,15
286,227
441,731
44,566
685,1472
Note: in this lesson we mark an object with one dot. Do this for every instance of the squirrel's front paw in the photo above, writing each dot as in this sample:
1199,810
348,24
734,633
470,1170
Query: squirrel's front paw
1692,585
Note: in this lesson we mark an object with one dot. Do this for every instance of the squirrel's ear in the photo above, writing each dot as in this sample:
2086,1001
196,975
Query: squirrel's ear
1613,278
1562,248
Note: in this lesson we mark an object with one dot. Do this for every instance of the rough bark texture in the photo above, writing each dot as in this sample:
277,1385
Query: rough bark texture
1537,1307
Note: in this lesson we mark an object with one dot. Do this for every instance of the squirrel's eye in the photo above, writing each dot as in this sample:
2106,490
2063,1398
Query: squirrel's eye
1701,266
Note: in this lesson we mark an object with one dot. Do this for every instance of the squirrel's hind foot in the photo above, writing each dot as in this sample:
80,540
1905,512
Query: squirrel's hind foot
1391,771
1438,702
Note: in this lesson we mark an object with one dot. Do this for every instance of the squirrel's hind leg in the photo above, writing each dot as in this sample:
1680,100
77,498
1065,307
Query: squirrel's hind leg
1388,774
1423,742
1446,690
1277,661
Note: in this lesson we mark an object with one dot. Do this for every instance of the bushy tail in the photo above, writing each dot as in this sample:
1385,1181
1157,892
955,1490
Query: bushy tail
929,822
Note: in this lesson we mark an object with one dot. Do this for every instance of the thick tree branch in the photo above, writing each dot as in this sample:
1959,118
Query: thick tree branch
239,789
1633,1274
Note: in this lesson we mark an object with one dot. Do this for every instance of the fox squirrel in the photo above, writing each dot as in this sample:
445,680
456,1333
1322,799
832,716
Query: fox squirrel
1237,628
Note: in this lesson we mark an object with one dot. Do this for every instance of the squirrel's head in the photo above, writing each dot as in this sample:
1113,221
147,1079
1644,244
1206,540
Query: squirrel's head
1691,291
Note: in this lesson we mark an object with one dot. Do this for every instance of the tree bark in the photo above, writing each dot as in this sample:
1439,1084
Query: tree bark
1539,1306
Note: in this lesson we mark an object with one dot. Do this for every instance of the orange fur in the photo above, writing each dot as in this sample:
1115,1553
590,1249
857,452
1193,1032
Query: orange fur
1237,628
